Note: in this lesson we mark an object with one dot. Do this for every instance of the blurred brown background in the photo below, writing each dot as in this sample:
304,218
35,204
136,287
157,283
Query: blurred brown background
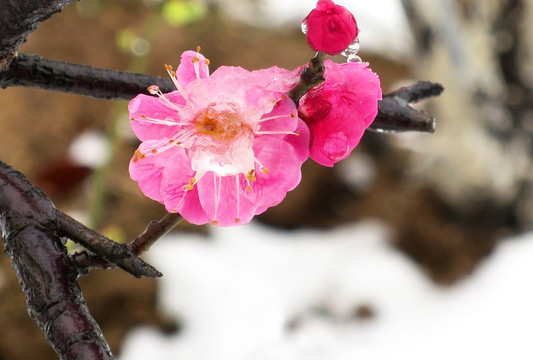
450,196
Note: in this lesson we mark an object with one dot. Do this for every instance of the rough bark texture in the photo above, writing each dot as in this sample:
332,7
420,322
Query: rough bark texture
18,18
34,71
46,273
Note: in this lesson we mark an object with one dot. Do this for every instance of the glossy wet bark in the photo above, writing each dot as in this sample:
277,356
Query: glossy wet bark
46,273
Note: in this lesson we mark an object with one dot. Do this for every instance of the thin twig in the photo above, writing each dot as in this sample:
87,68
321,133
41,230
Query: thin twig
155,231
311,76
396,115
118,254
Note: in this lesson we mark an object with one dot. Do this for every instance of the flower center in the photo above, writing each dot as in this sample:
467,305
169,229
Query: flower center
225,144
224,125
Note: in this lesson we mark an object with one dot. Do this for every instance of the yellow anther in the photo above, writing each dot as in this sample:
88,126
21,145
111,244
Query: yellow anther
154,151
198,48
237,220
214,222
195,59
251,175
168,67
264,170
138,155
207,62
153,89
190,185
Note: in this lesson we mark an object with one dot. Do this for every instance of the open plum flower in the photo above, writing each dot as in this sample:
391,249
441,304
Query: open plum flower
340,109
221,148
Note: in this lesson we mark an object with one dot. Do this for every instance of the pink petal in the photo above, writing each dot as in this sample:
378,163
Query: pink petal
223,200
284,116
233,87
148,170
339,110
176,175
155,108
283,158
276,79
188,72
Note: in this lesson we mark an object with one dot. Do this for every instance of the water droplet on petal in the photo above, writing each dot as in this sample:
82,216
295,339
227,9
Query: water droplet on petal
304,26
351,52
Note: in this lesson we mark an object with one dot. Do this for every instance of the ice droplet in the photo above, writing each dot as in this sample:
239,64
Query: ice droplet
351,52
304,26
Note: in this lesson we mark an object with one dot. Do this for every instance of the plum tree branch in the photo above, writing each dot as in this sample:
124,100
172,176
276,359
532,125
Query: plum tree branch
154,231
395,113
18,19
48,275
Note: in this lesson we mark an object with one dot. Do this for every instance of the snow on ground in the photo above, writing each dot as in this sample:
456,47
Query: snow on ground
254,293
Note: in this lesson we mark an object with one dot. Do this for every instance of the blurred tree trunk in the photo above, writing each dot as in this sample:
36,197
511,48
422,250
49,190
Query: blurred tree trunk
479,160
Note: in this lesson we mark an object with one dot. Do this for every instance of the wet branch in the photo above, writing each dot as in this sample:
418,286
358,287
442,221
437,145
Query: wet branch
47,274
154,231
312,75
18,19
118,254
395,113
36,72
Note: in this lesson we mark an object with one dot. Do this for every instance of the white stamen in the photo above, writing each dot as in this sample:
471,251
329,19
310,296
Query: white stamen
185,138
238,218
167,102
277,133
175,82
197,68
149,120
272,118
158,147
262,167
218,184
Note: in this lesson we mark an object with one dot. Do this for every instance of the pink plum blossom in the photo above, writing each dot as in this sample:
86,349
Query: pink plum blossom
221,148
330,28
340,109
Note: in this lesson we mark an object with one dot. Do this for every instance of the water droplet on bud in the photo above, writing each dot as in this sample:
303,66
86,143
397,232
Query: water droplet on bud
351,52
304,26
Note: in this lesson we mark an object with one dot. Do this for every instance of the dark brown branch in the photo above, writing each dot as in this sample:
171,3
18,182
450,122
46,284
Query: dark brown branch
396,115
154,231
118,254
34,71
47,274
18,19
311,76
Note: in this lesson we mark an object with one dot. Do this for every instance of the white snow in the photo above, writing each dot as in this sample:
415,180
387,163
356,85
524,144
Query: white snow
238,290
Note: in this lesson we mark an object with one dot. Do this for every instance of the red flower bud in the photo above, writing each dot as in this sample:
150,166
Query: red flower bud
330,28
